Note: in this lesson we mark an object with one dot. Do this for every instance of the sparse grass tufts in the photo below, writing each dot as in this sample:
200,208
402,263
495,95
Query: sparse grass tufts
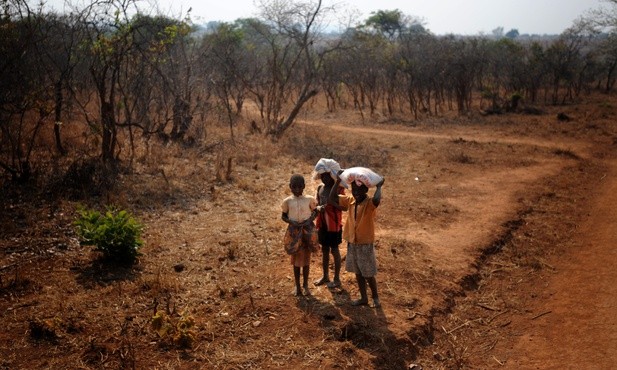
566,153
462,158
174,329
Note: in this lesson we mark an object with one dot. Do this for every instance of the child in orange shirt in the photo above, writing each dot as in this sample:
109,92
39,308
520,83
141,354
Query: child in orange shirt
359,232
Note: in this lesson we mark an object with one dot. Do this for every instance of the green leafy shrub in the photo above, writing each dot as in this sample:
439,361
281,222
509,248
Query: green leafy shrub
115,233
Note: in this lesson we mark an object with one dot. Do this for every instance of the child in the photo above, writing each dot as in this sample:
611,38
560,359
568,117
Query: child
299,211
330,227
359,232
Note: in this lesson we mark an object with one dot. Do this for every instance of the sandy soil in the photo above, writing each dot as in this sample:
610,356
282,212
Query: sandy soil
494,247
578,327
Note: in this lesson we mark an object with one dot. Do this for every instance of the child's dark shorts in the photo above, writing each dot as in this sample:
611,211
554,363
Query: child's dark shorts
329,238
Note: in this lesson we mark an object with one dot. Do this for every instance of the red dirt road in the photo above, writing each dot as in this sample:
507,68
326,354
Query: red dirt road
575,327
579,327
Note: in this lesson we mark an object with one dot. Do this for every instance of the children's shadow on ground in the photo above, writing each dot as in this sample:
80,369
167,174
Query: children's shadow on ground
365,327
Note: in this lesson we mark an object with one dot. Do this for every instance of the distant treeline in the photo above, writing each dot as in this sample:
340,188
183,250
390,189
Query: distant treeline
120,72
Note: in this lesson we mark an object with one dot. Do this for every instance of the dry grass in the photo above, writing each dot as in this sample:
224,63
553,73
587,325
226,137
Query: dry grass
213,230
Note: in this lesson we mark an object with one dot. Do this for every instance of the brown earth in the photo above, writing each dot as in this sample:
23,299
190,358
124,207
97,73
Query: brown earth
495,249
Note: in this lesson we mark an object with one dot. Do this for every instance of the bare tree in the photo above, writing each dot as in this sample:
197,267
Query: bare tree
465,59
290,30
607,55
109,40
164,80
227,68
604,20
421,66
503,74
24,88
563,59
61,35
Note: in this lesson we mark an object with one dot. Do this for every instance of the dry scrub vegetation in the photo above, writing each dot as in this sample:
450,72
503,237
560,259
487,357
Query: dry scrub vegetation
475,209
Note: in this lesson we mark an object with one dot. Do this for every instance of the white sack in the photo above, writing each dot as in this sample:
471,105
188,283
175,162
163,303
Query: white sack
326,165
361,175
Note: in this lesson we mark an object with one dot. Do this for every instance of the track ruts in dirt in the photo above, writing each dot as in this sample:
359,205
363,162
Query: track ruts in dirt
557,333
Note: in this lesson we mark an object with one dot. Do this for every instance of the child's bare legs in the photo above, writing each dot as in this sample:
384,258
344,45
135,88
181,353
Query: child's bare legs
372,283
325,252
336,253
305,276
325,263
362,286
297,291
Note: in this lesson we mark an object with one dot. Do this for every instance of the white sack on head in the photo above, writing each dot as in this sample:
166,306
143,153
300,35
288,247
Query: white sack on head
326,165
361,175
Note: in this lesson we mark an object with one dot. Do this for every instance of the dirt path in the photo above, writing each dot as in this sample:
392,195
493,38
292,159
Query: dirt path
465,133
489,198
576,327
579,329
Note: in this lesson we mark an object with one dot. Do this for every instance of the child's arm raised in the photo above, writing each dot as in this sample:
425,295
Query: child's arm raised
333,197
377,195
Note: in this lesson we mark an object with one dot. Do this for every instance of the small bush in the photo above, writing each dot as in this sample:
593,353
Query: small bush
177,330
116,234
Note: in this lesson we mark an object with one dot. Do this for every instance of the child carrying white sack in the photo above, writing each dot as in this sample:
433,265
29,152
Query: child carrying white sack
361,175
326,165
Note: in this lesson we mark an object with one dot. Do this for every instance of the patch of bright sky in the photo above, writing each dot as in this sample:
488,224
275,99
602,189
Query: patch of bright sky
465,17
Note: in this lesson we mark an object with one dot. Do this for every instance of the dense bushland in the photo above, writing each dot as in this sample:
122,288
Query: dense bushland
105,77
